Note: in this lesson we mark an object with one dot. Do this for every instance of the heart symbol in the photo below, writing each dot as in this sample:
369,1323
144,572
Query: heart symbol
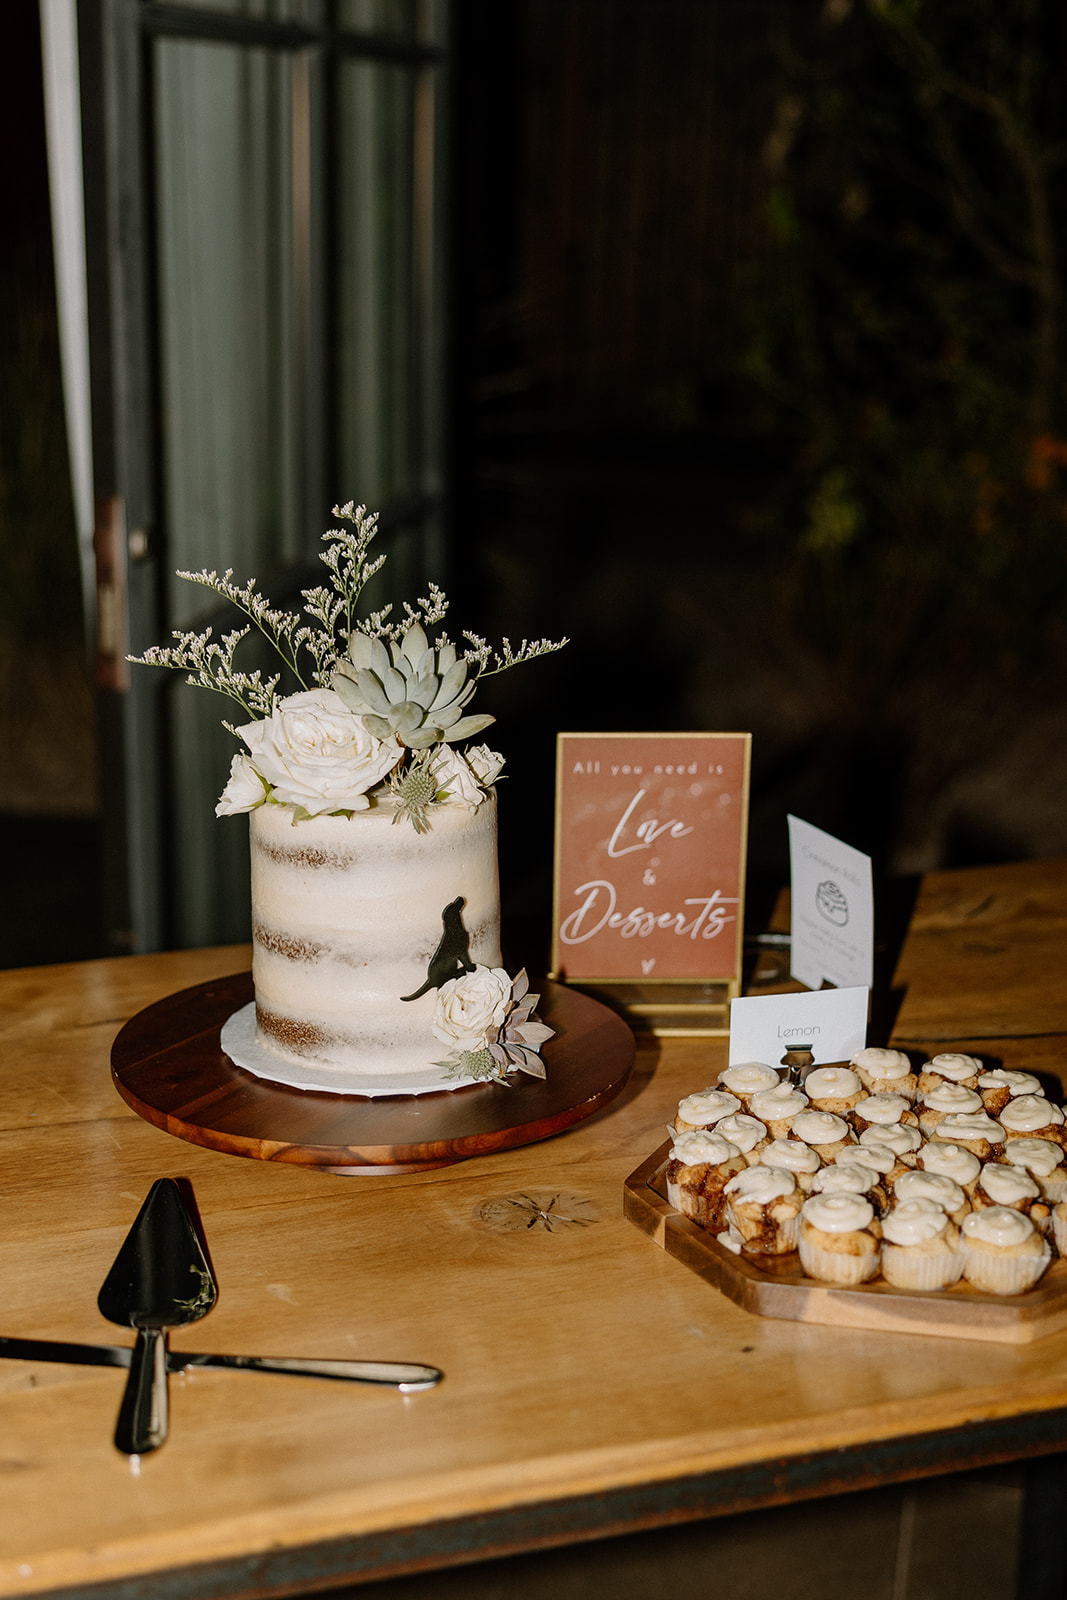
646,966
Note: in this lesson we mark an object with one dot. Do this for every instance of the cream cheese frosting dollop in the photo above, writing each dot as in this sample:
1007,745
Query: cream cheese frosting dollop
792,1155
1041,1156
882,1107
696,1148
819,1127
972,1125
1030,1111
881,1063
1014,1082
875,1157
837,1213
900,1137
1005,1185
950,1161
850,1178
998,1225
951,1064
914,1222
760,1185
748,1077
953,1097
707,1106
774,1105
934,1186
832,1083
742,1130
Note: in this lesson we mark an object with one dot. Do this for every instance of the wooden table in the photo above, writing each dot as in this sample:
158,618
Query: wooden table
593,1383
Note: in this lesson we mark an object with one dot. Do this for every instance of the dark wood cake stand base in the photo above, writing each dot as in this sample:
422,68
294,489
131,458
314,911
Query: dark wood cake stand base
168,1065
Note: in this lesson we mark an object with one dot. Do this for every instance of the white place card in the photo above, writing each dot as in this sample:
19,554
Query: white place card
831,1023
832,925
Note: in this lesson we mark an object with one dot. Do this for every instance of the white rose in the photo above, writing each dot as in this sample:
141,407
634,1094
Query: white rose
485,763
469,1008
452,773
244,791
316,753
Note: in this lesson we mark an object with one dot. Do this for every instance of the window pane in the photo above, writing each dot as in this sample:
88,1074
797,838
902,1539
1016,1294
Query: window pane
230,377
378,409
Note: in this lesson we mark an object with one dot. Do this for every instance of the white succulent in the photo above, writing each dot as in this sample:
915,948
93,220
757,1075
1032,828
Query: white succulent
408,688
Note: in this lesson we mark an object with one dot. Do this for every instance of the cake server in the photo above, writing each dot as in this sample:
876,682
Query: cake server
160,1280
407,1376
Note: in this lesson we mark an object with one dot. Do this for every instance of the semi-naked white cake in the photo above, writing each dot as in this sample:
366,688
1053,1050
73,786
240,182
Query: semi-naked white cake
348,914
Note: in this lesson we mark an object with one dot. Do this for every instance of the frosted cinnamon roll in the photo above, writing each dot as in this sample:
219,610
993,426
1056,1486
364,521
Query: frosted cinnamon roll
1001,1185
748,1078
777,1107
951,1161
837,1239
999,1086
749,1134
701,1165
826,1134
704,1109
947,1099
885,1070
792,1155
877,1158
833,1089
949,1067
1044,1161
903,1138
1003,1253
1034,1116
763,1207
934,1186
850,1177
882,1111
920,1247
973,1131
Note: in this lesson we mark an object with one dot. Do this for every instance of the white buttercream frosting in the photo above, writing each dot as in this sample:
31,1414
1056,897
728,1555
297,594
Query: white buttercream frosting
742,1130
790,1154
875,1157
900,1137
882,1107
951,1064
1035,1155
935,1186
707,1106
697,1147
1005,1185
849,1178
949,1161
914,1221
760,1185
998,1225
832,1083
838,1213
748,1077
774,1105
819,1127
970,1125
1014,1082
953,1098
881,1063
1030,1111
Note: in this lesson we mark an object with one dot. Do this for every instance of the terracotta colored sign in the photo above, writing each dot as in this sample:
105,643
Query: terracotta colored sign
651,830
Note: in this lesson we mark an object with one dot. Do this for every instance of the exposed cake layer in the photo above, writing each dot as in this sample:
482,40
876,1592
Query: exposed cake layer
347,913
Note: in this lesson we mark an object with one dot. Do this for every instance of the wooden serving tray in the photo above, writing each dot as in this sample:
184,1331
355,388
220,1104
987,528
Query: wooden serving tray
780,1288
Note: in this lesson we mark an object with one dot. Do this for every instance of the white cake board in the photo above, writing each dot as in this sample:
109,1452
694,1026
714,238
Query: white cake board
238,1040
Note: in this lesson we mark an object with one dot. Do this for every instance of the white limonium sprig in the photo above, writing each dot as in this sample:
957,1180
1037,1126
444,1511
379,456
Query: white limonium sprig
380,704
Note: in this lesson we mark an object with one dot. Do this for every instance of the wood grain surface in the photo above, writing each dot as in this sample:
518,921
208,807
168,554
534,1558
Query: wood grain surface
169,1066
592,1382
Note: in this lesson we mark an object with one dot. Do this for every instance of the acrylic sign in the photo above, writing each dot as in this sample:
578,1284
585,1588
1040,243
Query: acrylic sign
651,830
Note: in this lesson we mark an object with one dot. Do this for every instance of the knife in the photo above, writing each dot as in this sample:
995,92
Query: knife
407,1376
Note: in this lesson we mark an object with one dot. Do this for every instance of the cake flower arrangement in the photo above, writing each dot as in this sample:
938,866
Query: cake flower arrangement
380,713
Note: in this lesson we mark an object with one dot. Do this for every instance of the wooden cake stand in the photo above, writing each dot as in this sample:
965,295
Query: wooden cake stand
168,1065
